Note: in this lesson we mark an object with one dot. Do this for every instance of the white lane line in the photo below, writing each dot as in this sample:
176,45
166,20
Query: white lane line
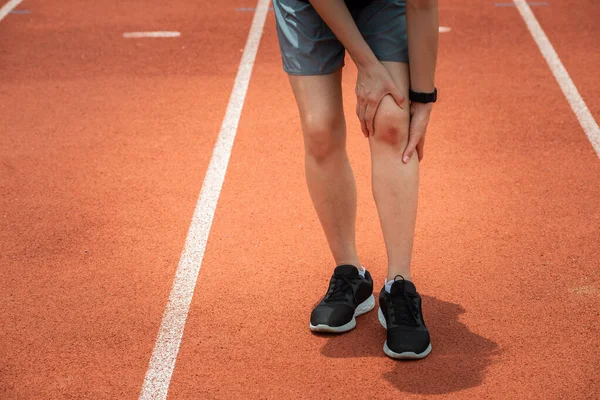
164,355
8,7
160,34
587,121
444,29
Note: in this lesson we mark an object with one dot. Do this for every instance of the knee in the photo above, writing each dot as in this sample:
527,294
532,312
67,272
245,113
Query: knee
323,136
391,124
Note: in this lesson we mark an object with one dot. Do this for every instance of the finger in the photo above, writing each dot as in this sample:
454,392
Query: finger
410,148
369,117
398,97
421,148
363,128
361,118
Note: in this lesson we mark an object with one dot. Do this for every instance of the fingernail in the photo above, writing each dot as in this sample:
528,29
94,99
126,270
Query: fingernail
406,158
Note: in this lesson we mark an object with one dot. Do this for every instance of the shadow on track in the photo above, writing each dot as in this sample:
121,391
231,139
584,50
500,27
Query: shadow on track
458,361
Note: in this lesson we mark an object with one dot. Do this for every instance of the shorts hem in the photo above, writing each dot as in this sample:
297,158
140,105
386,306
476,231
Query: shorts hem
403,60
313,73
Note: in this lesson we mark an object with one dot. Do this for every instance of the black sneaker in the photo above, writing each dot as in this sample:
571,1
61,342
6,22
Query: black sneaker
400,313
349,296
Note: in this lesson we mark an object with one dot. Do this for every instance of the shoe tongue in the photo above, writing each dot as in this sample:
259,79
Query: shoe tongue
402,286
346,270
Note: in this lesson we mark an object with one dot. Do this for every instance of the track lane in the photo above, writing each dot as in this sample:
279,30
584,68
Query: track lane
510,293
572,27
104,147
505,253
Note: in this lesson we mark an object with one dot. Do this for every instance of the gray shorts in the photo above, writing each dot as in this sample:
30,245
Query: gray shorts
309,47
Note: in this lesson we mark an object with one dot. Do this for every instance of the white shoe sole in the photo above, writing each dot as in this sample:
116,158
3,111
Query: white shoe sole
407,355
362,308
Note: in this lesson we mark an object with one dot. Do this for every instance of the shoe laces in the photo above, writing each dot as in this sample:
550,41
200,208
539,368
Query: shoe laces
404,310
338,288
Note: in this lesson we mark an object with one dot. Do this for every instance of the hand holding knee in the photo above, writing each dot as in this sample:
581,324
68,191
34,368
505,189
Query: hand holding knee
372,85
418,127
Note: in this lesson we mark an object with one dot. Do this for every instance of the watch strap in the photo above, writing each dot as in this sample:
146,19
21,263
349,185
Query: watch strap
423,97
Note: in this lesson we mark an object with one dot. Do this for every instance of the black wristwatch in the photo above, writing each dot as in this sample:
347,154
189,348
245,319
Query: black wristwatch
423,97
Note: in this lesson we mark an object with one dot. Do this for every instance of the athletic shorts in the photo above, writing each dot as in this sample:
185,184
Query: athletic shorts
309,47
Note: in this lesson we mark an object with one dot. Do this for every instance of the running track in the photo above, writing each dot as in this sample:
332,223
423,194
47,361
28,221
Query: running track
104,146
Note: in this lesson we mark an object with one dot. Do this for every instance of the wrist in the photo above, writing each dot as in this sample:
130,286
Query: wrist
423,88
365,61
421,107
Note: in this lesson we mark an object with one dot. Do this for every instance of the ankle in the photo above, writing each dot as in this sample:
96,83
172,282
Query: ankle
349,261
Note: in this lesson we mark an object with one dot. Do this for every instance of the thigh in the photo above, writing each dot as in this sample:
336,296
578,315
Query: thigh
319,100
399,72
308,46
383,25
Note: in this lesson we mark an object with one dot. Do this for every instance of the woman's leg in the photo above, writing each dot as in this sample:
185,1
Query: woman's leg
328,173
395,184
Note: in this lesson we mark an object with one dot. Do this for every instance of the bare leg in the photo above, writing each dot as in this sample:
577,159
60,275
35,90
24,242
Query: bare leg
328,173
395,184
